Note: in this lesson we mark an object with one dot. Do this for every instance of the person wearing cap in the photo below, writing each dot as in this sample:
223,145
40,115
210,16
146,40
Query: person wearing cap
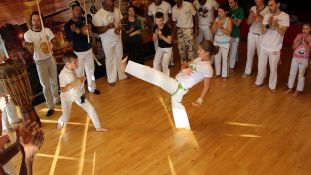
76,32
108,24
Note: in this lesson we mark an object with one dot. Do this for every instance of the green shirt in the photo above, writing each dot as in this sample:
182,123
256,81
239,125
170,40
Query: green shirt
237,13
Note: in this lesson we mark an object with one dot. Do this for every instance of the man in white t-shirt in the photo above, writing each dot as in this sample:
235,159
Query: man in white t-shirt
37,39
108,23
182,14
254,19
205,11
274,26
159,6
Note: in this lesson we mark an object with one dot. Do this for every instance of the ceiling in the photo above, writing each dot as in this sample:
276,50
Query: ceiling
15,11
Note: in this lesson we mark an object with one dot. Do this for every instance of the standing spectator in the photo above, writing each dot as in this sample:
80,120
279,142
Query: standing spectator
254,19
108,24
205,11
300,61
274,26
163,34
133,36
165,8
76,32
222,28
35,42
183,14
237,15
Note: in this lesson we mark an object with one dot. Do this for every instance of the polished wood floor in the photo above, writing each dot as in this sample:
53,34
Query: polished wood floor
239,130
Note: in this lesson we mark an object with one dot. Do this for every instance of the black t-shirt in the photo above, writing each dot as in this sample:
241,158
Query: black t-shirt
79,41
166,31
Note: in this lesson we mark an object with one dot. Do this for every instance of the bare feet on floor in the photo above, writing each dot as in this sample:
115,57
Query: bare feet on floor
288,91
101,130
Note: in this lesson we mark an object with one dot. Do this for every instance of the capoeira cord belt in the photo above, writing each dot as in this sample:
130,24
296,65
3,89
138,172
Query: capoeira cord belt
167,99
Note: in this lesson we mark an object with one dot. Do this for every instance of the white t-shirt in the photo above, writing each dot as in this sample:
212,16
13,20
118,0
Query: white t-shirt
67,76
184,15
256,27
103,18
201,69
205,12
164,7
272,40
37,38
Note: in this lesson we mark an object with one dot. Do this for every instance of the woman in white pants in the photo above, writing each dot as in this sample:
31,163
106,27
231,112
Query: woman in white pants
222,28
192,73
300,61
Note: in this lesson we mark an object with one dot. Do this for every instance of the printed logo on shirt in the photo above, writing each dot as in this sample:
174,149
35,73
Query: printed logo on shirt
110,19
301,51
203,11
193,67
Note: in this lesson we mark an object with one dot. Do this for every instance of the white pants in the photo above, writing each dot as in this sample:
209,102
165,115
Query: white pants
168,84
253,43
9,167
156,46
221,62
114,53
204,33
47,73
9,115
86,106
234,51
86,64
273,58
162,59
300,66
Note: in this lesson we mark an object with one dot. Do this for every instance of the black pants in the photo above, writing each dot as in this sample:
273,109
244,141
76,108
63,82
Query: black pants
134,49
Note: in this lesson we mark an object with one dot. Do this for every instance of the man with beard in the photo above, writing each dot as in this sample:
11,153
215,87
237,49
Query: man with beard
76,32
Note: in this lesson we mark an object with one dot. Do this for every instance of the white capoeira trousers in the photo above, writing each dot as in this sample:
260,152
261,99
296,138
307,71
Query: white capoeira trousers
234,51
87,67
168,84
9,115
113,53
86,106
162,59
273,57
156,46
300,66
221,62
204,33
253,43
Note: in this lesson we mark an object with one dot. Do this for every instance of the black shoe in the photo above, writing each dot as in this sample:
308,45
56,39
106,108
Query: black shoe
82,98
96,92
49,113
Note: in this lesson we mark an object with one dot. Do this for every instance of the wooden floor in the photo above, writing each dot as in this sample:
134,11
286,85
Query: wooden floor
239,130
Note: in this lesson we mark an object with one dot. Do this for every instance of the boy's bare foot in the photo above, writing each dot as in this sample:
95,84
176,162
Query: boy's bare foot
288,91
123,64
297,93
101,130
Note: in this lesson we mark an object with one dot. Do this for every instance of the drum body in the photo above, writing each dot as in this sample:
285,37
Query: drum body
14,82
